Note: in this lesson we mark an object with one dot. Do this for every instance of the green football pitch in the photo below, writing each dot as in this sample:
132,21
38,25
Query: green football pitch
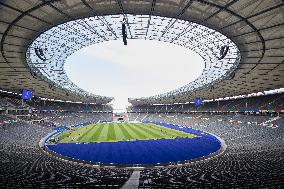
112,132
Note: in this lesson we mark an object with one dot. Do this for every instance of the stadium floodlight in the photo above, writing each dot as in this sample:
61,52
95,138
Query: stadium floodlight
40,54
223,52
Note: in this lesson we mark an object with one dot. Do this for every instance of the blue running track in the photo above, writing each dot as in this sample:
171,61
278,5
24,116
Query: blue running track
161,151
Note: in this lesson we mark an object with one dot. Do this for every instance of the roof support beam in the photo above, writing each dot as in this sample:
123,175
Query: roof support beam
124,15
102,19
150,16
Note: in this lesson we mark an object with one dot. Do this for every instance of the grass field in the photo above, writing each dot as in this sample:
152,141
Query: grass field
111,132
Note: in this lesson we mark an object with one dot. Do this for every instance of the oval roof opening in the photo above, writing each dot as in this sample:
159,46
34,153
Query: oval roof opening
142,68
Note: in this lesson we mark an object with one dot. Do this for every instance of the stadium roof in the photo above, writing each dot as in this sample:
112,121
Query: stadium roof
255,26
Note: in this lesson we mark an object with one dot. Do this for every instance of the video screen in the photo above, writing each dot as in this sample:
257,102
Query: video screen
198,101
27,94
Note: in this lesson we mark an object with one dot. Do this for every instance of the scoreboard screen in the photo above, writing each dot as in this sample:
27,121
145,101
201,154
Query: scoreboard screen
27,94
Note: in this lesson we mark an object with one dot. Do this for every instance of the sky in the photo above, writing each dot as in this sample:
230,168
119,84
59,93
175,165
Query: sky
140,69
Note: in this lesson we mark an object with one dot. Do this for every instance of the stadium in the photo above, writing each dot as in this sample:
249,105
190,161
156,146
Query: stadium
224,129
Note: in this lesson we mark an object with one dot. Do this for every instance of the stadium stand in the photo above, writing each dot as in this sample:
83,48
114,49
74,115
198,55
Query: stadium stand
252,128
272,103
253,159
24,165
52,112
